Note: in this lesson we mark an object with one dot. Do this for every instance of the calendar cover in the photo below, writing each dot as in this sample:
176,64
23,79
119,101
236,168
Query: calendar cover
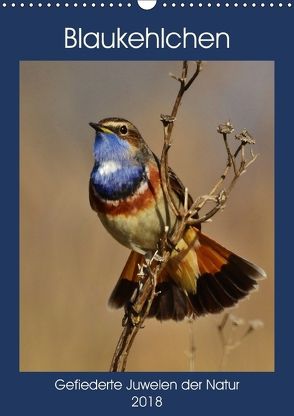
146,165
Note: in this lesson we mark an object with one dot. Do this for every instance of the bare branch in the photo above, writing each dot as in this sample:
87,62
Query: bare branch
168,124
221,197
137,312
133,321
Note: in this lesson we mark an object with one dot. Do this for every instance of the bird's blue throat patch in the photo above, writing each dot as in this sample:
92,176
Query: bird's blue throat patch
116,174
119,184
108,146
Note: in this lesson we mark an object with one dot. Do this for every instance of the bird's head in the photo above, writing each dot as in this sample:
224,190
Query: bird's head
116,139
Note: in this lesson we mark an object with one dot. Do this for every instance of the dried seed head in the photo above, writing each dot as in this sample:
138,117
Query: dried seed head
226,128
222,197
236,321
256,324
245,137
166,119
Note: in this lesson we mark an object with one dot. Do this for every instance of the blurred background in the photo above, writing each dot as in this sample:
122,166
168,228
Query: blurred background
69,264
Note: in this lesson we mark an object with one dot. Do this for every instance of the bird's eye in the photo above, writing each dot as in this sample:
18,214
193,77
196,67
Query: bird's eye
123,129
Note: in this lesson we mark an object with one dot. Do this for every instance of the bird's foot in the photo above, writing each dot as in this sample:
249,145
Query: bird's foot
150,257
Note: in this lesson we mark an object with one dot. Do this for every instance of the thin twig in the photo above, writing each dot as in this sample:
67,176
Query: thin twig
136,314
229,337
168,124
192,345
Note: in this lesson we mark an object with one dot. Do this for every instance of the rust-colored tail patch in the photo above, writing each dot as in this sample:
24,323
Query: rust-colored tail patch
205,278
128,281
224,277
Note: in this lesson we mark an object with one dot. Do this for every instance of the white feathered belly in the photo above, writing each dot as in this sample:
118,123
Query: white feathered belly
138,228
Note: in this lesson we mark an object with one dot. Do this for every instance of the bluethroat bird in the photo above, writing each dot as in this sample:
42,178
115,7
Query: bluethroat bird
125,190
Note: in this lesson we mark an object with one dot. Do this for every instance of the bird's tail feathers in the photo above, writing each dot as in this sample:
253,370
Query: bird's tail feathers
224,277
201,277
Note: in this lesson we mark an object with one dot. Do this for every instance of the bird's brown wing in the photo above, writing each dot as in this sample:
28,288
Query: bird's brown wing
176,184
179,189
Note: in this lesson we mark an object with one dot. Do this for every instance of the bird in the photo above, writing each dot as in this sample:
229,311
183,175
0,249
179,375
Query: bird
125,190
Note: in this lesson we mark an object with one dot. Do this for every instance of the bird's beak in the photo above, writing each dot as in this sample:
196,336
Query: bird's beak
98,128
95,126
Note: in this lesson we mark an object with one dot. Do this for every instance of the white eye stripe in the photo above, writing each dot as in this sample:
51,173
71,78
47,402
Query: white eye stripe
109,167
